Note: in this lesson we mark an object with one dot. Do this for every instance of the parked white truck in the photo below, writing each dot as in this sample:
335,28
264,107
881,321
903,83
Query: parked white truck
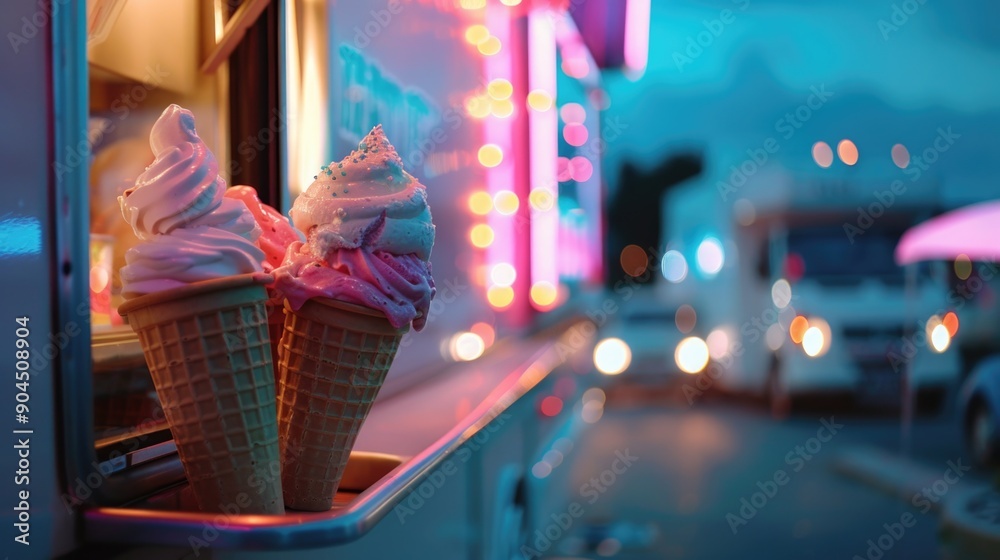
792,278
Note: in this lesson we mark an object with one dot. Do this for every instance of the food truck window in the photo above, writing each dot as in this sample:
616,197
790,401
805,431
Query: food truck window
131,79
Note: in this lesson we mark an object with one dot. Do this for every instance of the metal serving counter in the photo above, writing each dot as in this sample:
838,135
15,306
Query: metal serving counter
375,482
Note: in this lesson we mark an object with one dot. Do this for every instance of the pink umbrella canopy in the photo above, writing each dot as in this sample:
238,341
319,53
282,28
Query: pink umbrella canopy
973,231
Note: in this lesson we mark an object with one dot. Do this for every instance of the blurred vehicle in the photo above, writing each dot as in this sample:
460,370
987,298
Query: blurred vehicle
966,236
792,274
979,403
647,326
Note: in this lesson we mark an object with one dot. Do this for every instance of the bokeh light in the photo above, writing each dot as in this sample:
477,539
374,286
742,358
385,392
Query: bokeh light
774,337
847,152
573,113
503,274
476,34
900,156
781,293
950,322
551,405
718,344
480,203
506,202
467,346
940,339
612,356
634,260
685,318
502,108
490,155
691,355
543,294
490,46
674,266
710,256
963,266
541,469
812,341
822,154
477,106
510,2
798,329
575,134
580,169
500,88
500,297
539,100
485,332
542,199
472,4
481,236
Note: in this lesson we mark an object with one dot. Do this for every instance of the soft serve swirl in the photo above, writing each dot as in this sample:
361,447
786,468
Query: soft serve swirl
368,237
177,207
344,207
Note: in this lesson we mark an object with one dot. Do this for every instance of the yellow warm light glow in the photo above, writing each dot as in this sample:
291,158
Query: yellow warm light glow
506,202
543,293
691,355
490,155
478,106
476,34
500,89
541,199
480,203
798,329
481,236
848,152
500,296
510,2
940,338
502,108
540,100
472,4
490,46
467,346
813,342
612,356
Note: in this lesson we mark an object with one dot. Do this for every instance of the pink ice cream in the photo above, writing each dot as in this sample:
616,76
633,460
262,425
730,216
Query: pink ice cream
369,237
277,232
189,231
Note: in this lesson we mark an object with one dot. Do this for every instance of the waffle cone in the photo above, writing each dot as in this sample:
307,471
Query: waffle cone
334,359
209,354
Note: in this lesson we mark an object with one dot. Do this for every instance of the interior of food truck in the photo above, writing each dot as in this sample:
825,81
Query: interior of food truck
561,279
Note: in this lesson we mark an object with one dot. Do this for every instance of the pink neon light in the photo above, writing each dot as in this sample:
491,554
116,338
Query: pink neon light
637,35
544,148
573,113
564,171
581,169
498,131
575,134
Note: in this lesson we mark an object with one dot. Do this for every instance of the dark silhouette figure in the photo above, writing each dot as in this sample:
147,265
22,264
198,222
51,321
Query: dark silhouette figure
634,213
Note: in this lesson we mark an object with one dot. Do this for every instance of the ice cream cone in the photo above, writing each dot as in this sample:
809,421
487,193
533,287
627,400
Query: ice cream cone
208,350
275,329
334,359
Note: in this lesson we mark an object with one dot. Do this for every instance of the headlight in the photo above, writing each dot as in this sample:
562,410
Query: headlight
612,356
691,355
813,334
938,333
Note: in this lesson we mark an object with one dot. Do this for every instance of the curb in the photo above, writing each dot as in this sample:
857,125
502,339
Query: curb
970,524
